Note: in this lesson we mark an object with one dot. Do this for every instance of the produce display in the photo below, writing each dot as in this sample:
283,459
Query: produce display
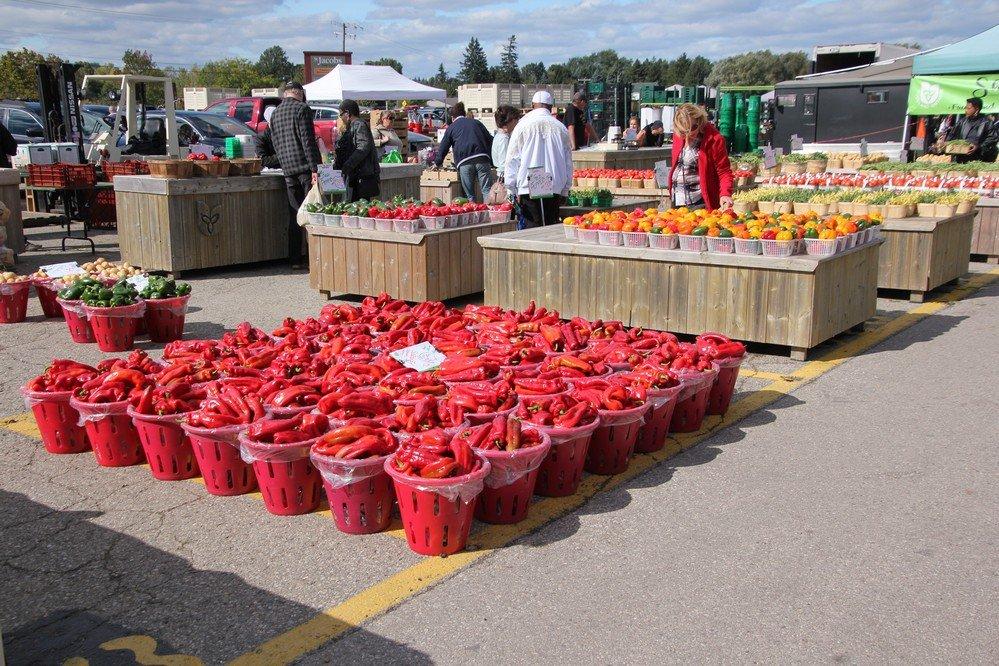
724,232
406,215
912,179
97,295
327,387
624,178
8,277
161,287
887,202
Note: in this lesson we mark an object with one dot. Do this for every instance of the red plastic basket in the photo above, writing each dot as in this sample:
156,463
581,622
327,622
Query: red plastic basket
168,450
112,435
724,385
692,404
14,302
360,493
506,497
562,469
47,297
80,175
613,442
115,328
288,481
165,318
217,453
47,175
652,436
436,523
76,320
125,168
57,421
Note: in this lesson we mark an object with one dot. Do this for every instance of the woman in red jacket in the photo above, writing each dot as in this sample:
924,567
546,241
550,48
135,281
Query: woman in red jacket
701,176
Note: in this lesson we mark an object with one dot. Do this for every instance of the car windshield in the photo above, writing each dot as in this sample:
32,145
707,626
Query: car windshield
93,123
217,127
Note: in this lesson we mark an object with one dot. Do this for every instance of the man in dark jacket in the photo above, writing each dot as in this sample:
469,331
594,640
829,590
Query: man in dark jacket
294,139
8,147
473,146
356,155
976,129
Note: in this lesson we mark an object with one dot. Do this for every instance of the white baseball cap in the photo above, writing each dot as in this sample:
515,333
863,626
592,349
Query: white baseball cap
543,97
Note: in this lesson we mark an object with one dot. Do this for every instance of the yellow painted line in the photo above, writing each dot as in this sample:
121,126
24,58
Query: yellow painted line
760,374
390,592
23,424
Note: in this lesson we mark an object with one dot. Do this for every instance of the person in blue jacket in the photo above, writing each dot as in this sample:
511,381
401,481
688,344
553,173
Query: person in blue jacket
472,145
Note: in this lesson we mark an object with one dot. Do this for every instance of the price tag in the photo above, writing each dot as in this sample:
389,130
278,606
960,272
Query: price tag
769,158
863,147
62,270
662,168
330,179
201,149
797,143
139,281
421,357
540,184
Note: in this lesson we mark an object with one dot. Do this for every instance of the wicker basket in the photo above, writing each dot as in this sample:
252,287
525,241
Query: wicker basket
609,183
588,182
650,184
631,183
815,166
245,166
743,207
792,167
210,168
171,168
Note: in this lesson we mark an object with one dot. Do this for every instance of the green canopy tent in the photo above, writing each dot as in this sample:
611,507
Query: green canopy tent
945,78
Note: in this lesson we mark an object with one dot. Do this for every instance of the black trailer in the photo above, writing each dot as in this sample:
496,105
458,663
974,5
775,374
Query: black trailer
844,107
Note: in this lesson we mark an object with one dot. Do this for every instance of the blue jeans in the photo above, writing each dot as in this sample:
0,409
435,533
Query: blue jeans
479,168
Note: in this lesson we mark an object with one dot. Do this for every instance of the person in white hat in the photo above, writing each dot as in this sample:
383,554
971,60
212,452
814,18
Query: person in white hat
539,140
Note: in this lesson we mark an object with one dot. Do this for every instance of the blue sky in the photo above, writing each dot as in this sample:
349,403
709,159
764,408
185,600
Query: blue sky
423,33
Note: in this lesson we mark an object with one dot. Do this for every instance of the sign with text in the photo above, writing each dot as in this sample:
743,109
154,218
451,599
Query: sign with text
769,158
662,168
797,143
540,184
331,179
421,357
138,281
62,270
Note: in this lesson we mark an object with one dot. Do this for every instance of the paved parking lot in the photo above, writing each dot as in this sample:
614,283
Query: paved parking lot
844,509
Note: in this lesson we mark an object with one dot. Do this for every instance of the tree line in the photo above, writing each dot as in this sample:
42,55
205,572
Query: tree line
273,68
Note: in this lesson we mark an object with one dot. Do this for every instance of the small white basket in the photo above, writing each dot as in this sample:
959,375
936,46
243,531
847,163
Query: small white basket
820,247
635,238
748,246
589,236
333,220
721,245
497,215
609,237
366,223
693,243
570,231
350,221
406,226
663,241
434,222
315,219
778,248
383,224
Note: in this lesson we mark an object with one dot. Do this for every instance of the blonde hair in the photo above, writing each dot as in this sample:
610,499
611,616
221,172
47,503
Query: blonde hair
688,118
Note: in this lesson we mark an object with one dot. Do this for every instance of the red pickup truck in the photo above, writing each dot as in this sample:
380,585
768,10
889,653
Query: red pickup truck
252,111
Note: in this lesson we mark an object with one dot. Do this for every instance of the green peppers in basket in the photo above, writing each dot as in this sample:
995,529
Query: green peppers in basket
121,293
161,287
74,291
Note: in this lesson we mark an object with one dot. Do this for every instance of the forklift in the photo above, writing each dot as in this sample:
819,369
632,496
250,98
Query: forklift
130,122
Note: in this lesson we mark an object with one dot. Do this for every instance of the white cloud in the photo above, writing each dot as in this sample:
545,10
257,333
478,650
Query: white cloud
423,33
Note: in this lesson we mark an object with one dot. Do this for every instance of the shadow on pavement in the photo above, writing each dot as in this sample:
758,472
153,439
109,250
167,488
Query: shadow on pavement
72,588
933,326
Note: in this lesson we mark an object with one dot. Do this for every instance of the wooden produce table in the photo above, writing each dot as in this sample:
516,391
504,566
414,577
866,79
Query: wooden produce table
400,180
798,302
985,230
429,265
922,253
619,203
186,224
640,158
10,195
445,185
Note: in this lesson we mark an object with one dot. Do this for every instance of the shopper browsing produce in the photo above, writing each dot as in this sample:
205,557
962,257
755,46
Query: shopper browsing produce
539,140
356,154
506,120
472,146
700,175
977,130
385,137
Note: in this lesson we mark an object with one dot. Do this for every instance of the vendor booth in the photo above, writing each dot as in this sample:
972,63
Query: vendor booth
369,82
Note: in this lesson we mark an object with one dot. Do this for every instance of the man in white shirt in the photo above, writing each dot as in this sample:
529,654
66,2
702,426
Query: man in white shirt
539,140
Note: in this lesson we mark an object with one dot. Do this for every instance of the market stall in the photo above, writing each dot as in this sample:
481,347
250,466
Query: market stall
923,253
427,264
985,230
797,301
639,158
183,224
400,180
369,82
10,181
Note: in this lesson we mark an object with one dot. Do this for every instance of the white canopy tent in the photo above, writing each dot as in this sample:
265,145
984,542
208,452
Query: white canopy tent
369,82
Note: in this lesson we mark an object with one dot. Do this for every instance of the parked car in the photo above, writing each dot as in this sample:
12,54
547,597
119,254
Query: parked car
325,124
247,110
24,121
196,127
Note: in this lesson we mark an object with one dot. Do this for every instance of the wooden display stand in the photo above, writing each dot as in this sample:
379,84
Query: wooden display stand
619,203
922,253
798,302
985,230
640,158
445,185
400,180
429,265
10,195
188,224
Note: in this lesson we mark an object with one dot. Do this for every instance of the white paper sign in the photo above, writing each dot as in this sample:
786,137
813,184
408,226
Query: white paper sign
917,143
540,184
421,357
440,135
139,281
201,149
769,158
62,270
331,179
863,147
797,143
662,168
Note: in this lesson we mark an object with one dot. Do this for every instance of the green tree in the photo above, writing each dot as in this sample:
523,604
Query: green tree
509,71
389,62
757,68
18,78
474,66
698,71
533,72
560,74
273,64
238,73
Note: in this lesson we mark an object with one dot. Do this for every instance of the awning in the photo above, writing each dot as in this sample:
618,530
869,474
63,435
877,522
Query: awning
369,82
947,94
975,54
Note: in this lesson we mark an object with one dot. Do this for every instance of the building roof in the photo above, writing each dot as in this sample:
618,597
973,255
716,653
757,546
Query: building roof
898,70
979,53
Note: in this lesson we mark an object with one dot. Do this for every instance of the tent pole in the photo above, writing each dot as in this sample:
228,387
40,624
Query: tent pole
905,134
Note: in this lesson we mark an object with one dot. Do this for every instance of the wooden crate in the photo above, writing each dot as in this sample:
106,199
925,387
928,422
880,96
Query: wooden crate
10,195
186,224
642,158
922,253
985,230
400,180
433,265
798,302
